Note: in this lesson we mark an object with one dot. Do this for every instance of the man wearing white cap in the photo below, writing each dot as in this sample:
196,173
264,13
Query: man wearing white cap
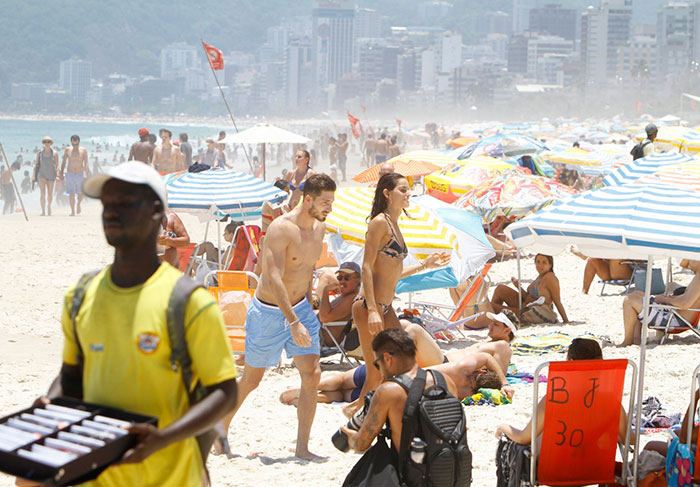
117,349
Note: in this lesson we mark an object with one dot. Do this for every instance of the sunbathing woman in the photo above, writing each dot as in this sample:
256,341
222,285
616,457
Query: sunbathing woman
385,250
298,176
605,269
580,349
541,294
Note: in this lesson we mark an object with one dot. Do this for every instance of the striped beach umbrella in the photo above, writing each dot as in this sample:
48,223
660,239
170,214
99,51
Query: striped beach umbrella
453,181
435,157
623,222
690,142
590,163
229,192
634,170
672,178
422,231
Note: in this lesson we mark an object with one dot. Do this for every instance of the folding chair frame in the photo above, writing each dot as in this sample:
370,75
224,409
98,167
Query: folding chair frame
628,476
667,330
621,282
343,353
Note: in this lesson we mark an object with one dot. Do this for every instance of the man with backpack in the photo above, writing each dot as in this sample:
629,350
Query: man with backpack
140,336
646,147
426,420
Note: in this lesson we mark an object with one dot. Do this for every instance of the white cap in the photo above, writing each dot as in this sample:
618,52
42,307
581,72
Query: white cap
502,318
134,172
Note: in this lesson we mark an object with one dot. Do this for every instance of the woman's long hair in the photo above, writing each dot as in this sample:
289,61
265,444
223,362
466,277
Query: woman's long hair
388,181
550,259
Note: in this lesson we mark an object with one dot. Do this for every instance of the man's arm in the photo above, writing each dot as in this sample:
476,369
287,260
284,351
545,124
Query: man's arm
131,154
69,382
86,165
685,300
375,420
341,312
63,162
200,417
482,360
178,228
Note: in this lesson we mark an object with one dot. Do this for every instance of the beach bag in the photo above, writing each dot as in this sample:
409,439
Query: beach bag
512,464
437,417
638,150
179,357
535,315
376,468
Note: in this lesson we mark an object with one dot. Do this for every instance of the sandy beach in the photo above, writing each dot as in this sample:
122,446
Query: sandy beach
42,258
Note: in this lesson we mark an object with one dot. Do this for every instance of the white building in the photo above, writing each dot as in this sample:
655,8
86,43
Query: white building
177,57
603,31
546,51
74,77
678,36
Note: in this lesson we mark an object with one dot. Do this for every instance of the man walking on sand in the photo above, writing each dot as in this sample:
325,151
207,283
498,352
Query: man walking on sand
143,149
280,315
167,158
78,168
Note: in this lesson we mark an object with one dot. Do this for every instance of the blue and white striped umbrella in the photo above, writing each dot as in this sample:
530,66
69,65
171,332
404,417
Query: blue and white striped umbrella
229,192
622,222
634,170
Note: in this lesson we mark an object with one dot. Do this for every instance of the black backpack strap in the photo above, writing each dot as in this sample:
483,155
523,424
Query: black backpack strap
410,419
439,380
180,355
76,303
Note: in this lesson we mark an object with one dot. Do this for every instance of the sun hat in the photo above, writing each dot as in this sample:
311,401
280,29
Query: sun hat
134,172
47,138
502,318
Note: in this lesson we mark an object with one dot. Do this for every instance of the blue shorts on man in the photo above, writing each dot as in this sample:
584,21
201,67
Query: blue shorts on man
74,183
267,333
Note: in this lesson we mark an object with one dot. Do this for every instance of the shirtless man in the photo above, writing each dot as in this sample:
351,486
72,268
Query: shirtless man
77,158
370,147
345,284
143,149
167,158
381,149
173,237
633,308
280,315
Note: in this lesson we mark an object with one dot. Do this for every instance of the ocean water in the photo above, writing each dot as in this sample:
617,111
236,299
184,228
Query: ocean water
27,134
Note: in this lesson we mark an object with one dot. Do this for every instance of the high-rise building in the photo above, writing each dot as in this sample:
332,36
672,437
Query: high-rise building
74,77
678,36
176,58
332,30
544,49
521,15
277,39
450,51
604,31
367,23
298,73
554,20
637,60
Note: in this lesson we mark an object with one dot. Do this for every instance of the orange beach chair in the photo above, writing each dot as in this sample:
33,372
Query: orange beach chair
234,317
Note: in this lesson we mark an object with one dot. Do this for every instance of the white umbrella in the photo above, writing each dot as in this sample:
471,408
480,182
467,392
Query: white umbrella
264,133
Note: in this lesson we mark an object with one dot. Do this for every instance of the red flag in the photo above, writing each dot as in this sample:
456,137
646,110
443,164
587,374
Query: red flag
215,56
354,121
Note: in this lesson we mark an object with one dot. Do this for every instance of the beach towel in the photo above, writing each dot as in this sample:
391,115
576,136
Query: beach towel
491,397
515,376
679,465
554,342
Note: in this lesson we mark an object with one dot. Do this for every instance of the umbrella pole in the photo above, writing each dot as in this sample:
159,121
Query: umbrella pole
264,164
642,358
669,275
218,236
520,295
14,184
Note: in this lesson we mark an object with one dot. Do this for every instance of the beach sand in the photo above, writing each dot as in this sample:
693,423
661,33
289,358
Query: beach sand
42,258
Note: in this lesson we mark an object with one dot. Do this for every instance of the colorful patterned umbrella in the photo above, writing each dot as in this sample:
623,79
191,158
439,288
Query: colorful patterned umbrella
500,145
590,163
455,180
415,165
422,231
513,195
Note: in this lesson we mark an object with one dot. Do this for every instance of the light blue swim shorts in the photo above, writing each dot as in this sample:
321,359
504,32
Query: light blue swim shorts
74,183
267,333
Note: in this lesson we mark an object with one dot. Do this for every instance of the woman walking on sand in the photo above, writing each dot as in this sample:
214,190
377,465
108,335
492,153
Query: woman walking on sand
45,172
385,250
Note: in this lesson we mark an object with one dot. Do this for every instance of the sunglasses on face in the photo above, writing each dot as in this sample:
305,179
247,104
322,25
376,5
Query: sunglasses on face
345,277
376,362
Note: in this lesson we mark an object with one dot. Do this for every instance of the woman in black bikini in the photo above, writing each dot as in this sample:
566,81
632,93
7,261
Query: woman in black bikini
385,250
298,176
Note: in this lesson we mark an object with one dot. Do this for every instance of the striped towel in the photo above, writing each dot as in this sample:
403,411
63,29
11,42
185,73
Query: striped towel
554,342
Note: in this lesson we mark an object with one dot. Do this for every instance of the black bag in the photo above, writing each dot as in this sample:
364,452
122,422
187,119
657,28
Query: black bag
376,468
512,464
638,150
437,417
198,167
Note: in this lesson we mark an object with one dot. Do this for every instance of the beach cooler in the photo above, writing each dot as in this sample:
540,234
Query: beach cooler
66,442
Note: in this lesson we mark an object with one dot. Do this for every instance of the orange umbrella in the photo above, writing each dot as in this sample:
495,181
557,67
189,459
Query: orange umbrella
406,167
461,141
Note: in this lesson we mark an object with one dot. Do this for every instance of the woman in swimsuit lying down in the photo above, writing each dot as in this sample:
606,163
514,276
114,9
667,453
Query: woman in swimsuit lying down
385,250
544,288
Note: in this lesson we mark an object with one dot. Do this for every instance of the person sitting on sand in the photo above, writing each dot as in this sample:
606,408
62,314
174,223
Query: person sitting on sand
633,308
473,372
580,349
174,236
540,295
345,284
605,269
212,253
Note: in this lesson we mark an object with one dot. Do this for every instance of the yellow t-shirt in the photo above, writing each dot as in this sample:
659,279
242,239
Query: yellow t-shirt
123,333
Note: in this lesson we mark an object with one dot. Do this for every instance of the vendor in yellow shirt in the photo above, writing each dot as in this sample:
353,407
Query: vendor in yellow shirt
123,339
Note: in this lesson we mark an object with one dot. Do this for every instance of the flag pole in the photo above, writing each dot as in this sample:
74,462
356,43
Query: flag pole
245,151
14,184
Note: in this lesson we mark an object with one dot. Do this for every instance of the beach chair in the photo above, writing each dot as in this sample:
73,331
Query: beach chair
582,414
665,325
627,283
344,355
219,283
441,319
184,256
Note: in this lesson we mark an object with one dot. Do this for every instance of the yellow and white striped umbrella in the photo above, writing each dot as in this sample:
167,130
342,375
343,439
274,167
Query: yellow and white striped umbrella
422,231
431,156
690,142
668,137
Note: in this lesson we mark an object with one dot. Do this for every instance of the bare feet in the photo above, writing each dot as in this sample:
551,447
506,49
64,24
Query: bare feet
49,211
78,207
290,397
307,455
350,409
